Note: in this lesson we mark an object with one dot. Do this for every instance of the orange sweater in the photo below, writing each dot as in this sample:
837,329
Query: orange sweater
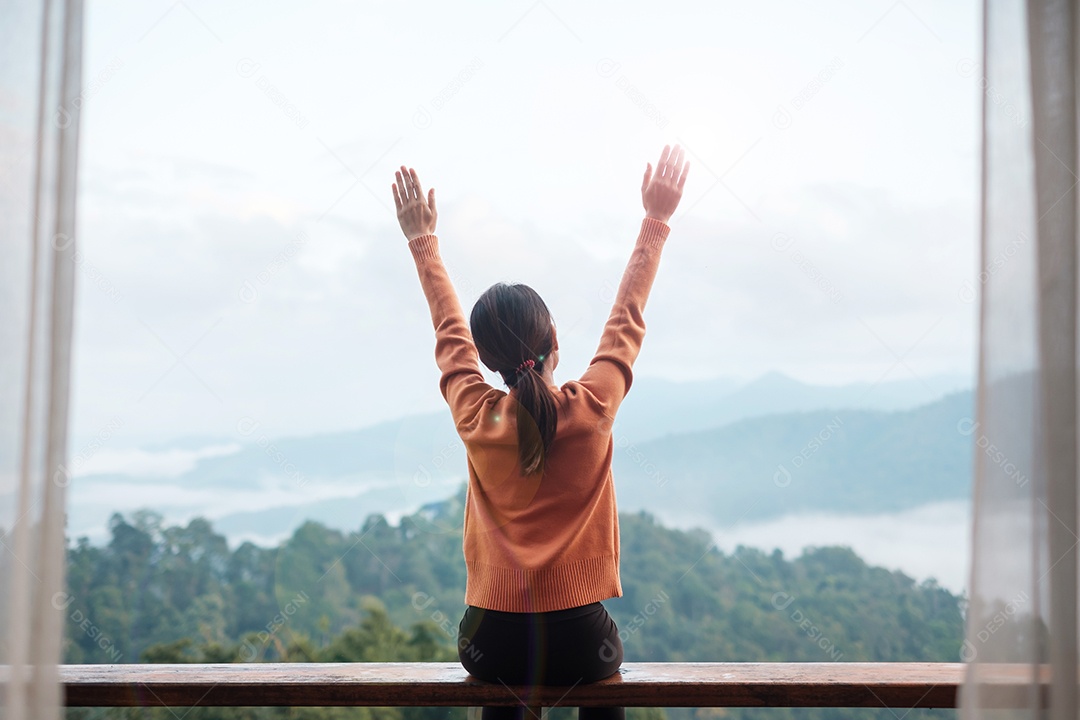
535,545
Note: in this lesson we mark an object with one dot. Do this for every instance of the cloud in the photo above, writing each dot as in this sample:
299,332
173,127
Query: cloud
238,264
163,464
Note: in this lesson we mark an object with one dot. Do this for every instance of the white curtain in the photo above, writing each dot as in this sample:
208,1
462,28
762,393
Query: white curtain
40,60
1021,644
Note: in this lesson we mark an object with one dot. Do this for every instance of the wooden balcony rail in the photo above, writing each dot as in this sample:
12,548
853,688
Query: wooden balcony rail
663,684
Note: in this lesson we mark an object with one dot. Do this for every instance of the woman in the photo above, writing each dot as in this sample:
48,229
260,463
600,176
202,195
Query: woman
541,533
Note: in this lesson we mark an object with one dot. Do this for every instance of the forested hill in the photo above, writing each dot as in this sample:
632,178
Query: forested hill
388,592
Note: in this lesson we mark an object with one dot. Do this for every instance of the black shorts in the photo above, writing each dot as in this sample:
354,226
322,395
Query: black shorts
563,647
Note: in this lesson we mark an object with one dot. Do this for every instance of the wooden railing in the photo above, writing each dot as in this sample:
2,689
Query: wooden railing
832,684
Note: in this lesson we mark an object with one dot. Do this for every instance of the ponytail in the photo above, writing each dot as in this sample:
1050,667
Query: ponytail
511,324
537,419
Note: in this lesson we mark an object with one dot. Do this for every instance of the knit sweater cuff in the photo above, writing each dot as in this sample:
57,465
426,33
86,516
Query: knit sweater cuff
425,247
653,232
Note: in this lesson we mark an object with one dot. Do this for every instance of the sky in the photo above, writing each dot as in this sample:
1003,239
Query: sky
240,260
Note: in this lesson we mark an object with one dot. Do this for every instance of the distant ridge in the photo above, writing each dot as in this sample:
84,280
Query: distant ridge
654,408
835,460
715,443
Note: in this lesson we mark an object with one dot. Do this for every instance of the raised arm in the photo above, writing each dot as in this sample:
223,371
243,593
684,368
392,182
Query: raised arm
610,373
461,382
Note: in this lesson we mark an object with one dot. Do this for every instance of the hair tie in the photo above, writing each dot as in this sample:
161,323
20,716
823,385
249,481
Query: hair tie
528,363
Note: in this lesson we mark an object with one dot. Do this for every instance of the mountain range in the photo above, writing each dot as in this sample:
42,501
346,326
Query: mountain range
715,451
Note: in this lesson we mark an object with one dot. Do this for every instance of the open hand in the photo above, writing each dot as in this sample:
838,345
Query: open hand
660,194
416,214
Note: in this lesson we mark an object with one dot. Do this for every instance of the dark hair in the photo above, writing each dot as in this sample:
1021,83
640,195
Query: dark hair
511,324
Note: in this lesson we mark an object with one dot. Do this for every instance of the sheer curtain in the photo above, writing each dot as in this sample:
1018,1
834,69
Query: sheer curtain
1021,643
40,58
